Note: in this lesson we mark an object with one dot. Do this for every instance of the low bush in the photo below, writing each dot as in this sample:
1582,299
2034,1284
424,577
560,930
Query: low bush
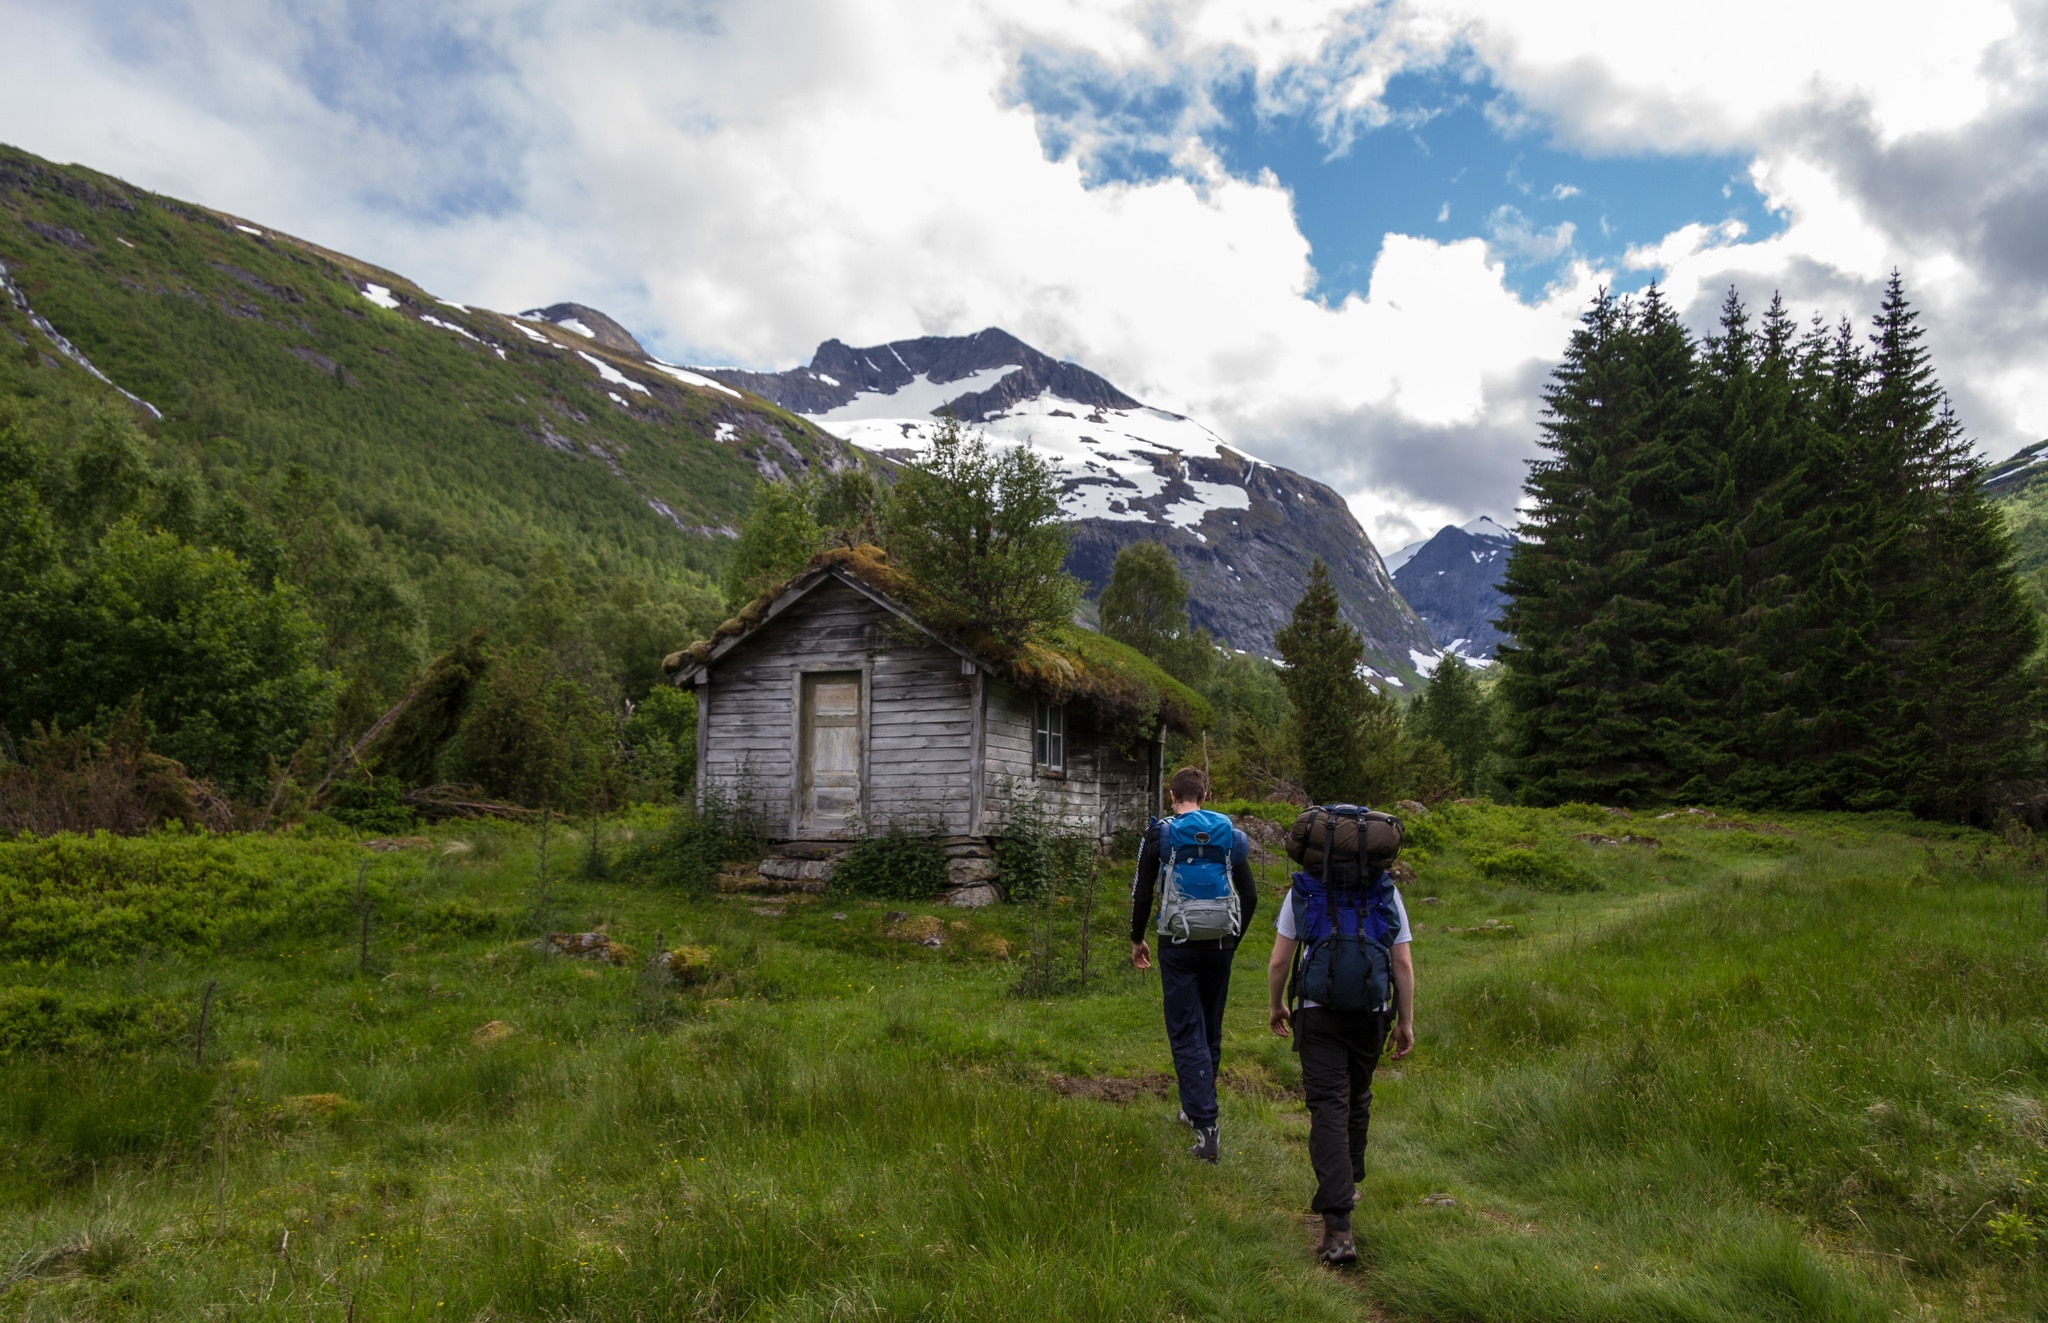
44,1020
93,897
900,864
698,843
1536,871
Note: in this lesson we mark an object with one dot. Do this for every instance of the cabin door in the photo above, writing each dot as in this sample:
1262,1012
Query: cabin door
829,780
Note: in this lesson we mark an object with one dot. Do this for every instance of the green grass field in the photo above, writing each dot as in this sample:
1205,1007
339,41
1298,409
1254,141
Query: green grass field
1787,1070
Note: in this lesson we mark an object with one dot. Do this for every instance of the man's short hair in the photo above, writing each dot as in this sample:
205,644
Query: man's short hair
1189,786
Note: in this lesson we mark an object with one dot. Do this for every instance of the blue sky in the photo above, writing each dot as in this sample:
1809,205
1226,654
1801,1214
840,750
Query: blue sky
1454,158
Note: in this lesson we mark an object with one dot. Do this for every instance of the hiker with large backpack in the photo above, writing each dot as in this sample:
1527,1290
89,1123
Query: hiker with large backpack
1200,864
1342,964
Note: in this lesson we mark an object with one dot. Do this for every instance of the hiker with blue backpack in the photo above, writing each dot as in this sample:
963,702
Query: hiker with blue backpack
1342,964
1200,865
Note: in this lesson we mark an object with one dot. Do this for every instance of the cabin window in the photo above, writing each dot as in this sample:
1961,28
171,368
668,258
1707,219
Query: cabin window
1052,736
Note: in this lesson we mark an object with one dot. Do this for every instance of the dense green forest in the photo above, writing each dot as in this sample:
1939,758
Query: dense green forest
256,486
1761,569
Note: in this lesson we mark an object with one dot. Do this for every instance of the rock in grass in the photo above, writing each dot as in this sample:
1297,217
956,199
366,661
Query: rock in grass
978,896
586,946
683,965
924,929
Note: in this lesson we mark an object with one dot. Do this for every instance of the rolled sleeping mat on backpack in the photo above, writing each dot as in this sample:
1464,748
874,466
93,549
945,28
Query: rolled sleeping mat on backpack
1349,834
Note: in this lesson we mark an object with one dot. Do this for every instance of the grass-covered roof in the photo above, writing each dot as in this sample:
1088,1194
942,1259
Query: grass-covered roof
1065,664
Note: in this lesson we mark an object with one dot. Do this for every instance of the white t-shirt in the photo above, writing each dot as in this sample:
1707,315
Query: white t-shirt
1285,923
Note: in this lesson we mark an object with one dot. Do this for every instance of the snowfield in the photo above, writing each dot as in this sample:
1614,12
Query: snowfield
612,375
689,378
1111,459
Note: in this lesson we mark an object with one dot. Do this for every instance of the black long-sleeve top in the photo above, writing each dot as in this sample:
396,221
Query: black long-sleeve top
1147,881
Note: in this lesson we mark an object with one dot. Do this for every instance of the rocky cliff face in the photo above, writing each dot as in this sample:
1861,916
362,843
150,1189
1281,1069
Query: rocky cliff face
1453,582
1244,531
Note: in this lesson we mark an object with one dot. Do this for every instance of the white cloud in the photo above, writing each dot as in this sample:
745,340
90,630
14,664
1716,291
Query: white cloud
741,181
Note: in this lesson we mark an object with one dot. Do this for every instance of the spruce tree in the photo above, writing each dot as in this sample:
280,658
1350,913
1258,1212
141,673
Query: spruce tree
1966,702
1764,574
1453,711
1323,656
1593,679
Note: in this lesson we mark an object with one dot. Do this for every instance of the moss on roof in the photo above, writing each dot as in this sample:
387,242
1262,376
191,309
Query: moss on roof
1068,664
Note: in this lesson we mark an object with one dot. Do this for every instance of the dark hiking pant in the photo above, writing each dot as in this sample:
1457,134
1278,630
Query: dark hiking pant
1339,1050
1197,984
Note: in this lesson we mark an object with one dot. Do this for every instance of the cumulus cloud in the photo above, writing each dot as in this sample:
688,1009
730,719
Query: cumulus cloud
738,181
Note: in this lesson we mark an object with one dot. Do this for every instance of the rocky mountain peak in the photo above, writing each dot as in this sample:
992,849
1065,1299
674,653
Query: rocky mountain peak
1453,582
589,323
1244,531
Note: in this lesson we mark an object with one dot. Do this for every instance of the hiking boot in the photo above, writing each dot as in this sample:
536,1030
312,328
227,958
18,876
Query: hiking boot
1183,1119
1338,1249
1206,1145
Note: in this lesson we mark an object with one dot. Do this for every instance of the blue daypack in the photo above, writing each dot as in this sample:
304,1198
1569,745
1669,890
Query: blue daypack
1345,960
1196,900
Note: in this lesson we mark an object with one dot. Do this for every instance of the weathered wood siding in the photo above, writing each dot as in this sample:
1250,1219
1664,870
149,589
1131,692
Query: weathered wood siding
1102,791
918,767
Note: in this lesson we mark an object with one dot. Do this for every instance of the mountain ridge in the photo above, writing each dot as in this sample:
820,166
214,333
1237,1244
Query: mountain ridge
470,449
1452,579
1243,530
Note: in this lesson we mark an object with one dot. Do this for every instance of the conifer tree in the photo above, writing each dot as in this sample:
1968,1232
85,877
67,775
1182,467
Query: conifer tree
1454,712
1967,703
1748,565
1323,654
1591,680
1764,574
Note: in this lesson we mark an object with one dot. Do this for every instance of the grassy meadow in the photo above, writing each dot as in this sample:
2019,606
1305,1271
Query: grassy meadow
1698,1069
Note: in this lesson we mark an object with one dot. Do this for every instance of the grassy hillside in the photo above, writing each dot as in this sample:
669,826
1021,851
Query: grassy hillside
467,447
1712,1070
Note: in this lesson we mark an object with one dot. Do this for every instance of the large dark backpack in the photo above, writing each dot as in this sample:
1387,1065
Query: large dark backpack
1344,916
1346,835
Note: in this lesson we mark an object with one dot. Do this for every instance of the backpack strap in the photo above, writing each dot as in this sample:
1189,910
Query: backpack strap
1294,967
1329,821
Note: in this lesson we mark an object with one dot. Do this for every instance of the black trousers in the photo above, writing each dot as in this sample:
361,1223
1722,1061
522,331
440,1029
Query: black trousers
1196,980
1339,1051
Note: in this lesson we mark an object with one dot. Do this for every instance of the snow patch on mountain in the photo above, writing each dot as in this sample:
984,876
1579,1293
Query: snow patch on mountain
378,294
907,408
461,330
1453,581
1244,531
612,375
690,378
1112,459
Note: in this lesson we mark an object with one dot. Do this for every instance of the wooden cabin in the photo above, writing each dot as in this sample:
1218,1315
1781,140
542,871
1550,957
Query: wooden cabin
831,711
